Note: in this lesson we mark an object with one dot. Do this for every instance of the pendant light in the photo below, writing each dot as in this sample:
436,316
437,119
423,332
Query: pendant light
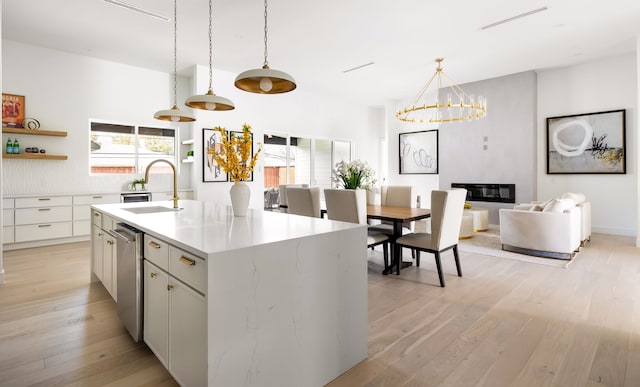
174,114
265,80
209,101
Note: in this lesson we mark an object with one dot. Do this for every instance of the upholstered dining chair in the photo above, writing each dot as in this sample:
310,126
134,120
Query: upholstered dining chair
396,196
304,201
282,195
349,205
446,216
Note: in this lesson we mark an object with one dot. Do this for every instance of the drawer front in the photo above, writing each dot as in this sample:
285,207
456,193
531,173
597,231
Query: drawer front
81,227
43,201
82,212
96,218
108,223
95,199
7,217
188,268
7,235
8,203
42,231
42,215
156,251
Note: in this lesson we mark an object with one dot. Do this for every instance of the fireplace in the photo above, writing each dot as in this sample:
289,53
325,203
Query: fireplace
497,193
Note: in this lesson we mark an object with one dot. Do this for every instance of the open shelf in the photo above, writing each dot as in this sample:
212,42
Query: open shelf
36,132
187,142
41,156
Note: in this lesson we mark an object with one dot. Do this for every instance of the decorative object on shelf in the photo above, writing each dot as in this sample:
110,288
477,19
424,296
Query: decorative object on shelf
31,124
136,183
265,80
12,110
587,143
210,101
427,106
467,205
418,152
236,158
354,175
33,149
174,114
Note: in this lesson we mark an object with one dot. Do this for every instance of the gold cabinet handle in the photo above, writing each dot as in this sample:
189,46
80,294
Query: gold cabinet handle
110,242
44,225
154,245
44,209
169,287
187,261
43,199
96,197
96,214
152,274
99,234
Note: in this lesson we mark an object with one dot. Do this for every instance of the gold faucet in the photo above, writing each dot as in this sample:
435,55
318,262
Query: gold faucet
175,179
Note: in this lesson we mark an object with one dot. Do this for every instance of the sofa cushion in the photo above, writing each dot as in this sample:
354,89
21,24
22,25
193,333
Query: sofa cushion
540,206
578,198
559,205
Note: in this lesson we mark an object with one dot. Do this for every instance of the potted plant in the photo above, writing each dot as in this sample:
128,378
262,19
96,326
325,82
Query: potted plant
137,182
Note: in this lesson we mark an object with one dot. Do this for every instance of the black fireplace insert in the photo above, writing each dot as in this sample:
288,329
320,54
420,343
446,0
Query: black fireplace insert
498,193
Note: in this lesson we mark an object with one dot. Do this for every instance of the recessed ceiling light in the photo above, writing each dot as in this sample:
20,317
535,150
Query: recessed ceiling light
138,9
358,67
541,9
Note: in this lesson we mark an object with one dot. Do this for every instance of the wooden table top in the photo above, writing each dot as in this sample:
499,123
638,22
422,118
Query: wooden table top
394,214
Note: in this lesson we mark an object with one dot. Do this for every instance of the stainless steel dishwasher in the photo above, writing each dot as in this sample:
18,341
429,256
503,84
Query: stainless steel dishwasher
129,269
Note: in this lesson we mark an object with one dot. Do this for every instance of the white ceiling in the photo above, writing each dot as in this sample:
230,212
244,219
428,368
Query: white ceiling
315,41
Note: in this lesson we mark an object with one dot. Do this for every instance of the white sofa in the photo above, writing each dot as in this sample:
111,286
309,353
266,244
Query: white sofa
556,228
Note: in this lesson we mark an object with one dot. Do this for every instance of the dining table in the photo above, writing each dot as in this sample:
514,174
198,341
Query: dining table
398,216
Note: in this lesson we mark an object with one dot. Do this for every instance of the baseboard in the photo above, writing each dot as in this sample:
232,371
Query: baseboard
48,242
538,253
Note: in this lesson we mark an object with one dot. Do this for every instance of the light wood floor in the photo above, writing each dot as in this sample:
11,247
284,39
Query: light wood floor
505,323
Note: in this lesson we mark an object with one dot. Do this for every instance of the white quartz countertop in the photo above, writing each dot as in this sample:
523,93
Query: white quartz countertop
206,228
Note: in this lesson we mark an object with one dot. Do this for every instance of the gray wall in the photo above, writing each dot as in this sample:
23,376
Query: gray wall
500,148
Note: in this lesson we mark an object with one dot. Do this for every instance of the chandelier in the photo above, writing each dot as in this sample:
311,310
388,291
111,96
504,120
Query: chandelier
427,107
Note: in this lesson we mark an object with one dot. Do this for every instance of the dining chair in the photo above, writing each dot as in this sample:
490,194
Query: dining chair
396,196
446,216
282,195
349,205
304,201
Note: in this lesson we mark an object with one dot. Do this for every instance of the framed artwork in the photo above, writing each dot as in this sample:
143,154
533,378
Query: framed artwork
12,110
211,171
419,152
587,143
251,155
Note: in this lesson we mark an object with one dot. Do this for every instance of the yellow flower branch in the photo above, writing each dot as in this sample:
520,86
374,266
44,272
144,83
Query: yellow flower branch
235,156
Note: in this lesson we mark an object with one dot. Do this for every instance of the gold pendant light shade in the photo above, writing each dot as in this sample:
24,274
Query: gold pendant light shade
265,81
209,101
174,114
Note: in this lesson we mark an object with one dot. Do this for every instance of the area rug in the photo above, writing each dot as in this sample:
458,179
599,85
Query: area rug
488,243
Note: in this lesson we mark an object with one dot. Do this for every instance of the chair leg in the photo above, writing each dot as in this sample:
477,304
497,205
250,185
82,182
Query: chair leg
457,258
417,258
439,266
385,253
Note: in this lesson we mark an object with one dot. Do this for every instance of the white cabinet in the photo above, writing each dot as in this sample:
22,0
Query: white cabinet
7,221
104,252
156,311
39,218
82,210
175,314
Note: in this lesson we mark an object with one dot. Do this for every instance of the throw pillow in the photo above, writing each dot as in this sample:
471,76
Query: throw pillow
559,205
540,206
578,198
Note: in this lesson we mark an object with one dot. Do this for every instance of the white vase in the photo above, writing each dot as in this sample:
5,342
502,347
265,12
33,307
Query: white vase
240,193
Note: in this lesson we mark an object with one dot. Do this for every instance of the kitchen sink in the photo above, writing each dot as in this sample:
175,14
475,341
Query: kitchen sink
150,209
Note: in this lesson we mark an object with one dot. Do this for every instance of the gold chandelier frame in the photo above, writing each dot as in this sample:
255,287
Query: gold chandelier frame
465,109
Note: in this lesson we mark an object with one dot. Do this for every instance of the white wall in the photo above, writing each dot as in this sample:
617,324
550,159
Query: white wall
593,87
63,91
1,181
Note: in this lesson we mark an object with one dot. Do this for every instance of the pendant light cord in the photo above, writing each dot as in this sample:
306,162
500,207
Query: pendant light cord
266,64
175,52
210,48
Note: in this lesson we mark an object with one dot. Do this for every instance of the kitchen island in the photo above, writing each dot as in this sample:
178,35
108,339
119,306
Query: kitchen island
270,299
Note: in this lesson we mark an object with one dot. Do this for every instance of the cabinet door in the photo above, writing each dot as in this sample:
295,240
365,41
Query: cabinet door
156,311
187,335
108,251
97,236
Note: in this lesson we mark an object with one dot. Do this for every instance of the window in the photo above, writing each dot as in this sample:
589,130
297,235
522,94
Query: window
129,149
